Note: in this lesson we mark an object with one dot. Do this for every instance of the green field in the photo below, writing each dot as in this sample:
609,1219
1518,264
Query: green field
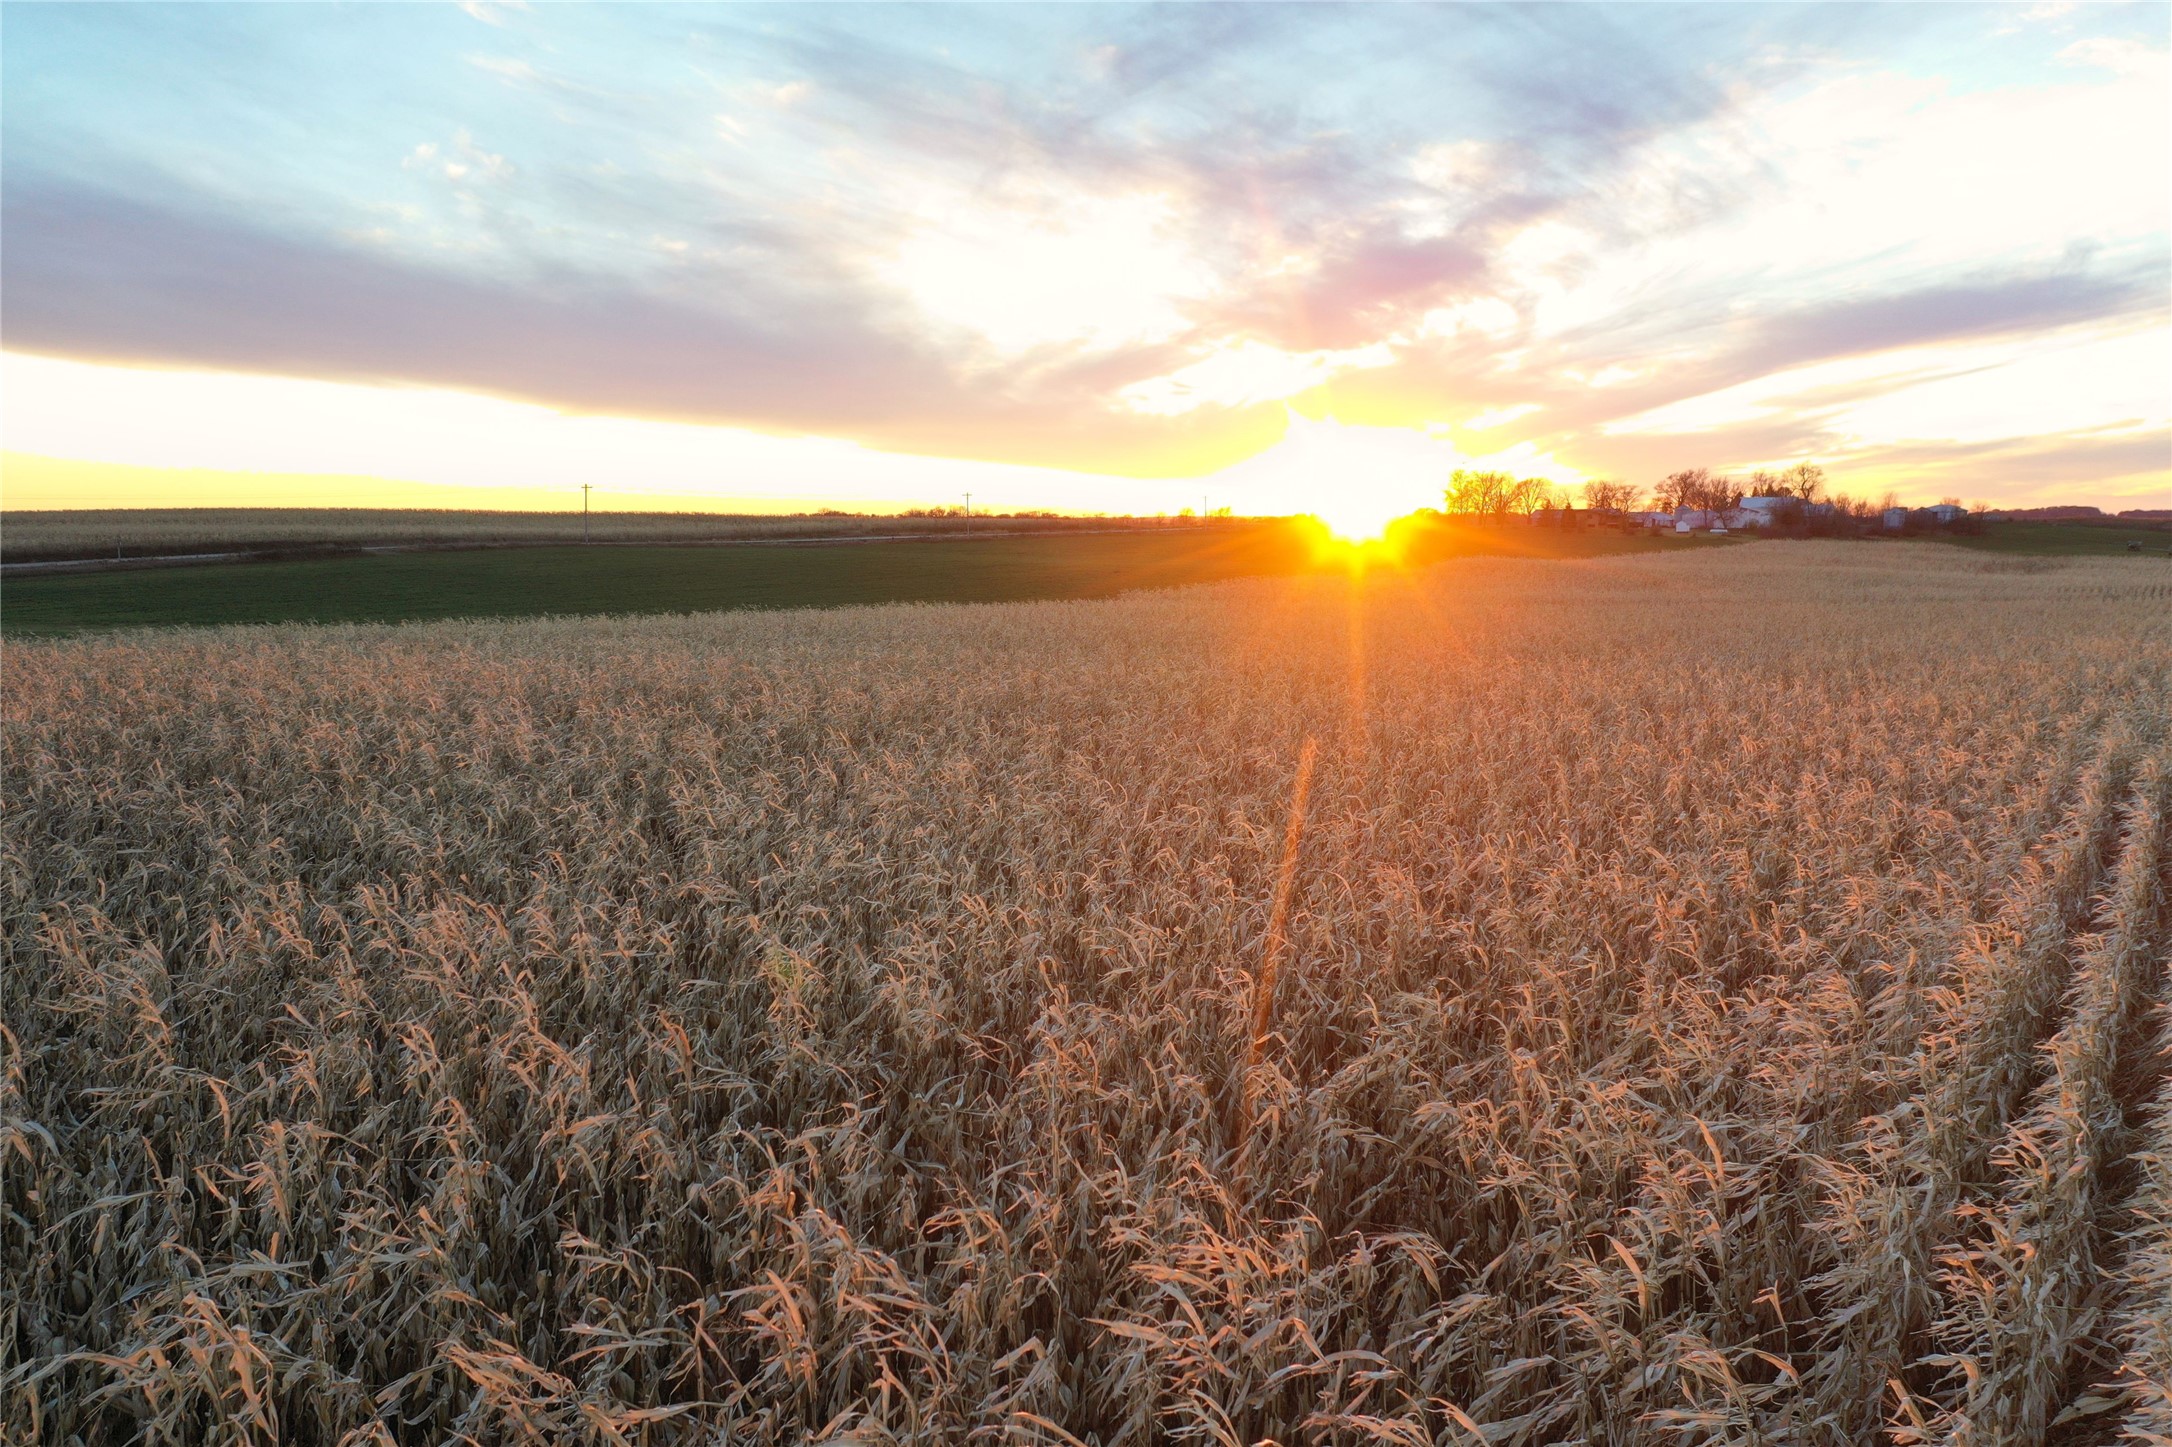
57,534
527,582
2076,539
517,582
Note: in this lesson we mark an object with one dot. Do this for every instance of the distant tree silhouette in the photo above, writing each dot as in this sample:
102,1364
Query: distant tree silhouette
1805,480
1698,488
1602,492
1491,494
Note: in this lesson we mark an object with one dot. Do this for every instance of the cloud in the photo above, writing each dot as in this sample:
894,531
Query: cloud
1956,311
1868,344
462,161
239,429
2122,55
1048,271
1498,416
1360,289
1238,374
491,12
108,278
1988,418
1112,239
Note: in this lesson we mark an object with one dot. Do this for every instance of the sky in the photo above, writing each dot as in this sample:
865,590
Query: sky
1097,258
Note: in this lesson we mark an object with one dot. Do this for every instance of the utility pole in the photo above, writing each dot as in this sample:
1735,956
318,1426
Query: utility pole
969,514
584,512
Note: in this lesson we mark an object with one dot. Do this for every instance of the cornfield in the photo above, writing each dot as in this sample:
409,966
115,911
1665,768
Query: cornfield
1709,998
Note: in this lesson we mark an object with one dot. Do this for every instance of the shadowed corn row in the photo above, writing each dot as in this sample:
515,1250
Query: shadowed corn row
2021,1292
1892,1194
2142,1322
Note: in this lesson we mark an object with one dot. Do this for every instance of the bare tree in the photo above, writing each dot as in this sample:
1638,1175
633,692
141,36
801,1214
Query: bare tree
1700,489
1805,480
1683,489
1856,510
1462,496
1601,492
1482,494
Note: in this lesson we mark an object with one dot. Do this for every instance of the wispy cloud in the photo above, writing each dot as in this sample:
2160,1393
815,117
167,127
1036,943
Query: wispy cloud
1117,240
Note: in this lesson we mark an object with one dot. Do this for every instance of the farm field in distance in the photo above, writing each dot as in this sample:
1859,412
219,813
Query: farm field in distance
527,581
2076,539
1709,994
55,534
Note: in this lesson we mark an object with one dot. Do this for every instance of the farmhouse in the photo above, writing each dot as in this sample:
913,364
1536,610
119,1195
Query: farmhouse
1778,510
1765,512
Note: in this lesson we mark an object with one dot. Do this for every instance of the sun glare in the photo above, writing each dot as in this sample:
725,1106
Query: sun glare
1361,517
1356,480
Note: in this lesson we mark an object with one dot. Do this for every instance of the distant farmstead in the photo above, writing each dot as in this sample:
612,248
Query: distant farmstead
1940,515
1767,512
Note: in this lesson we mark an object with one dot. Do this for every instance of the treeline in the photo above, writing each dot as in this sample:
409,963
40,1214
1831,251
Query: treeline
1816,506
1480,494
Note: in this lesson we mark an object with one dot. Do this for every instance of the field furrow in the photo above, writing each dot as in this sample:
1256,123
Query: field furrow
1894,1190
2023,1295
2141,1319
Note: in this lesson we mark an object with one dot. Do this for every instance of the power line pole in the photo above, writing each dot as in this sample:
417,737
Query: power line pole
584,511
969,514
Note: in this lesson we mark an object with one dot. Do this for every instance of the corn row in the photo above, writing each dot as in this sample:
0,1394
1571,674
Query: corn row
2021,1289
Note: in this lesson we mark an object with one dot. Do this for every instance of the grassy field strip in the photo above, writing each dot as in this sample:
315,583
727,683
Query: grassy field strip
2152,537
94,533
636,579
548,581
51,567
296,553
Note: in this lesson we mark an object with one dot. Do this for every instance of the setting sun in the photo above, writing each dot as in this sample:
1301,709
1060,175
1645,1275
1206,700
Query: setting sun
1360,516
1356,480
